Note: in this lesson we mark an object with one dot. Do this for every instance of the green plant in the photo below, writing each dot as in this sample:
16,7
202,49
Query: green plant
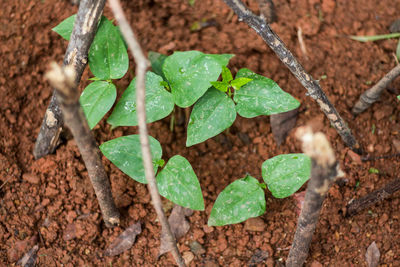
187,79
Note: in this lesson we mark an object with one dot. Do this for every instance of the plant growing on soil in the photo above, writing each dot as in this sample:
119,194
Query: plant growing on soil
185,79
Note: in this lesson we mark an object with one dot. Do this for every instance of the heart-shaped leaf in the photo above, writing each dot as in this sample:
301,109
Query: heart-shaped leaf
65,27
285,174
212,114
159,103
96,100
261,96
190,73
125,152
178,183
108,58
242,199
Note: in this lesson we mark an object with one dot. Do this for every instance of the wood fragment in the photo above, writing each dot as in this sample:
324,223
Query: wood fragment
372,95
63,79
372,198
89,14
324,171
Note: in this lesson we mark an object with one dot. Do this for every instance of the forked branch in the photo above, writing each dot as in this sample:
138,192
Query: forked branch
141,66
85,27
63,80
314,89
324,170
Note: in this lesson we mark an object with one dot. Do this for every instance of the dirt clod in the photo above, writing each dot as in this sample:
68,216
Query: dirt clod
254,224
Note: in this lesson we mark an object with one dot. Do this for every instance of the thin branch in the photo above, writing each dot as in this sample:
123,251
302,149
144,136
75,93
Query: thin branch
85,26
314,90
63,79
141,65
372,95
376,196
324,170
372,158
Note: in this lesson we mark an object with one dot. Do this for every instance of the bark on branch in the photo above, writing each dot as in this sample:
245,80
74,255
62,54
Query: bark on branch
85,27
376,196
324,170
372,95
314,89
64,80
141,66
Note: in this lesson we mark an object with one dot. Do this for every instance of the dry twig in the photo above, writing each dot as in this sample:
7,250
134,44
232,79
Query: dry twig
372,95
141,65
376,196
314,89
324,170
85,26
63,80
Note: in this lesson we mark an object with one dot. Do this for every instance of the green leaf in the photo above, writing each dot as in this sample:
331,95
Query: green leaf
239,82
373,170
261,96
190,73
221,86
125,152
239,201
159,103
65,27
398,50
285,174
212,114
374,37
96,100
226,75
157,61
398,97
108,58
178,183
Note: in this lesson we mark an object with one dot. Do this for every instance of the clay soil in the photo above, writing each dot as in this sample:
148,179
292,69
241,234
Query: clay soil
50,202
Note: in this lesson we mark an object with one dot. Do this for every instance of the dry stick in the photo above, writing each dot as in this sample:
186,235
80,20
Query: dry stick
314,89
141,65
324,170
85,26
372,95
355,206
64,80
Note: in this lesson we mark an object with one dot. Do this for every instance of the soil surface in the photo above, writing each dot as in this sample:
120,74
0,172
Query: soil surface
50,202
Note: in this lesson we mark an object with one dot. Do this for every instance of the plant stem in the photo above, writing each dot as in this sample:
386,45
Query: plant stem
372,95
376,196
324,170
85,26
314,89
63,80
141,65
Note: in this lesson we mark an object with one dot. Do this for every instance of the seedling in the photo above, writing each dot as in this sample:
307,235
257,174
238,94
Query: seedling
185,79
